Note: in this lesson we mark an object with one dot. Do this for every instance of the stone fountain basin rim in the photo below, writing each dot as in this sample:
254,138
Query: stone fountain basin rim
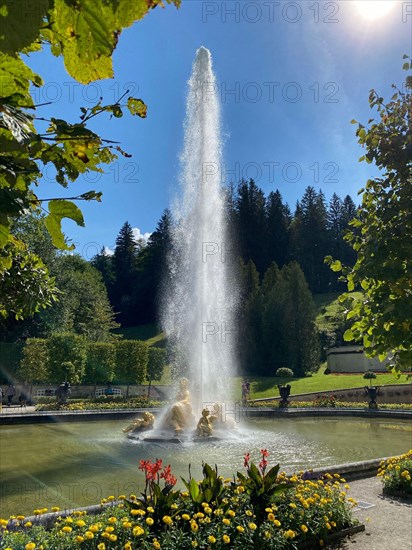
247,412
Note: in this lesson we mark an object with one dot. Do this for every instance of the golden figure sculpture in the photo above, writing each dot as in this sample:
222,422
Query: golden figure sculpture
180,415
141,424
204,426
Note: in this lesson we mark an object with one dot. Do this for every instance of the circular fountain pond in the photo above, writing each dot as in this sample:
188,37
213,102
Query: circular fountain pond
79,463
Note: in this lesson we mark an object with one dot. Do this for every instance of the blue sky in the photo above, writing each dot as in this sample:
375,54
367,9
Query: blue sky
291,76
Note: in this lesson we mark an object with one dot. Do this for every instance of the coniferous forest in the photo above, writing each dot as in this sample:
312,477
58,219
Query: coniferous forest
279,262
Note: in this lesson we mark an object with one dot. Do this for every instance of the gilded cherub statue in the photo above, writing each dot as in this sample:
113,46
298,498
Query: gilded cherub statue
141,424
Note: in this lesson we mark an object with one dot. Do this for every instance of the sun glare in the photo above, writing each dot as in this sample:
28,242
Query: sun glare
371,9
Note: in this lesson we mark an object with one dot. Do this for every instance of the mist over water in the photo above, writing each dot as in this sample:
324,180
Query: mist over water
200,294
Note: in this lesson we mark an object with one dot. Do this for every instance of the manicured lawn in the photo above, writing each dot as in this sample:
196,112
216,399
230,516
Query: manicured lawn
266,386
150,333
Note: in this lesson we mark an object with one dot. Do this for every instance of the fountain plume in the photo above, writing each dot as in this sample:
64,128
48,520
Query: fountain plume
200,294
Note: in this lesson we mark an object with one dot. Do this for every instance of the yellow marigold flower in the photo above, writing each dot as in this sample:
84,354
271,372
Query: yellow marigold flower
249,513
185,494
28,524
69,519
333,523
241,489
292,505
226,539
208,510
328,526
304,528
109,529
211,539
127,546
79,539
174,506
168,520
200,515
101,546
277,523
113,538
67,529
80,523
122,497
127,524
30,546
194,544
133,497
156,544
105,535
89,535
20,518
271,517
226,521
150,509
186,517
268,510
94,528
3,522
289,534
111,497
137,531
149,521
194,527
231,513
240,528
252,526
112,519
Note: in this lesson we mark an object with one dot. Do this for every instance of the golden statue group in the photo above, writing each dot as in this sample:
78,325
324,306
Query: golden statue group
180,418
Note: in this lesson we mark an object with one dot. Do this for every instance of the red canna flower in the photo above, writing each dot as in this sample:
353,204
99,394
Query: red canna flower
247,460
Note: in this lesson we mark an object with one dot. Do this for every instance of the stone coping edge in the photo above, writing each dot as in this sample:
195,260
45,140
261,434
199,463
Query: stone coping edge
350,470
243,412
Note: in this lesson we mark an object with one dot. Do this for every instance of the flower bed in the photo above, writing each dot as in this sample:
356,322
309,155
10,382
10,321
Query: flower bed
106,403
396,474
337,404
260,508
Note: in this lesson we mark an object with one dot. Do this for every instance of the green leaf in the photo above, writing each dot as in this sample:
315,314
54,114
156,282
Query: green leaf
348,335
59,209
193,489
405,66
20,23
336,265
137,107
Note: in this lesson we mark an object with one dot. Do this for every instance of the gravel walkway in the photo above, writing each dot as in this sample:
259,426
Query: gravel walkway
388,524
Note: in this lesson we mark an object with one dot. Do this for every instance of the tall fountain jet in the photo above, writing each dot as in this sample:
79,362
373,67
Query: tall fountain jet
200,292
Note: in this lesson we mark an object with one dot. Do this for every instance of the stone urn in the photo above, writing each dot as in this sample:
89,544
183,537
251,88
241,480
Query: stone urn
372,392
284,392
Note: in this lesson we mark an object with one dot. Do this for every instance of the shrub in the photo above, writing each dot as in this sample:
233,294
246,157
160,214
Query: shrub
396,474
369,375
284,372
325,401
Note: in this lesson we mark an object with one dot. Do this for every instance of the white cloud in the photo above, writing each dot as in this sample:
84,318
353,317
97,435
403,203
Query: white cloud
140,237
108,251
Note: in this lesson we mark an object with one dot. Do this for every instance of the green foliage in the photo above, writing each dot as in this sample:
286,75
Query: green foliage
131,361
285,372
169,519
381,236
34,365
396,475
262,487
25,284
67,357
83,306
156,363
10,356
85,34
101,362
